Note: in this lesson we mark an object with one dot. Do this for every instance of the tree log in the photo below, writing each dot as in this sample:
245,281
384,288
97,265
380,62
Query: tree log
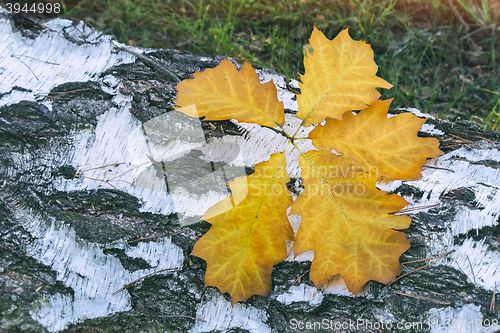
101,198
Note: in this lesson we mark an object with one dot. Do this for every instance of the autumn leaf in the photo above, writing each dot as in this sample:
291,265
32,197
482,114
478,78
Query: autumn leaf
390,146
249,232
223,93
340,76
348,222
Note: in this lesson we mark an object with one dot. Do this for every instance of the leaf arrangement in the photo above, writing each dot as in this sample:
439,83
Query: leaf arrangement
345,219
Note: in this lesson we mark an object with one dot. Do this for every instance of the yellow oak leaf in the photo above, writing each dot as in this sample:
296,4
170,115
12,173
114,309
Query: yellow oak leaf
390,146
348,222
340,76
224,93
249,232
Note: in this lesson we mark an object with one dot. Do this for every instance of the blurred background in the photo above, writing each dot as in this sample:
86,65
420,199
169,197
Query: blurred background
441,55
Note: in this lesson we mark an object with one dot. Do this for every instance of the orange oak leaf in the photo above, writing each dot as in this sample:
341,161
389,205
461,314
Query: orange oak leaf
340,76
224,93
390,146
249,232
348,222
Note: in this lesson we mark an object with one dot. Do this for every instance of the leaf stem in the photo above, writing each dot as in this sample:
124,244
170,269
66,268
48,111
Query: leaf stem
298,129
280,131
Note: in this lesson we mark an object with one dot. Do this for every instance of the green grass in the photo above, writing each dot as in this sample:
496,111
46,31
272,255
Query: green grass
441,58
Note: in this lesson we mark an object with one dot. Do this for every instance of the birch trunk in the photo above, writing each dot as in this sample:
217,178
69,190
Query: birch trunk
98,216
